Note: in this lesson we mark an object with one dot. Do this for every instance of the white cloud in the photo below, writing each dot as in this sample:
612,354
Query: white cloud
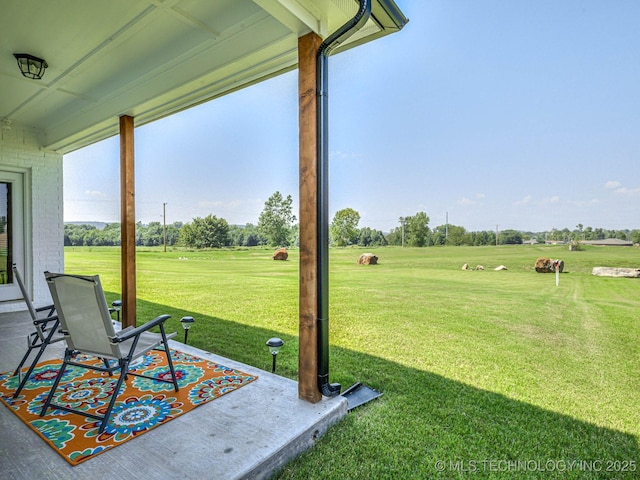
466,201
95,193
339,155
583,203
620,190
627,191
524,201
554,199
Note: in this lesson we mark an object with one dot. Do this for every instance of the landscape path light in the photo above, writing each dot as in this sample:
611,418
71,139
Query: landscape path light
274,345
117,305
186,324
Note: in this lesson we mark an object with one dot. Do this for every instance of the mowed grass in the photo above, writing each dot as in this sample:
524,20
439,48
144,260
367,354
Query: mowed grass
477,368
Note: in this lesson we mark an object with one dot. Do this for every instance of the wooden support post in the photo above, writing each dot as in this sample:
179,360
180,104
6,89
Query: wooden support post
308,127
127,222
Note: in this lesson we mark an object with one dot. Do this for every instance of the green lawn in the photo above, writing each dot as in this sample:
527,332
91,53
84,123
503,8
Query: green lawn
485,374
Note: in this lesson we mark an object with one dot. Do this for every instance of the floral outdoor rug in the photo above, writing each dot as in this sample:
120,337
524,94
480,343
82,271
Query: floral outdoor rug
142,405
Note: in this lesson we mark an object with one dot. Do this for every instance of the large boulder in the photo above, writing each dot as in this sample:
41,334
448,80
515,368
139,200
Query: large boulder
367,259
616,272
548,265
280,254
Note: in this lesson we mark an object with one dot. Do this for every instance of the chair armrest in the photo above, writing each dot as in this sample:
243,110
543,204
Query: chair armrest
131,332
45,320
46,307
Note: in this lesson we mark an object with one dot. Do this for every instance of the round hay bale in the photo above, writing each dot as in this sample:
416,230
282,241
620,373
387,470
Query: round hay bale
280,254
547,265
368,259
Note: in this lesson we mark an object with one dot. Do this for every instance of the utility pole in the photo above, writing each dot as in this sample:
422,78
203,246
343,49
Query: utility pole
164,224
446,228
402,223
496,235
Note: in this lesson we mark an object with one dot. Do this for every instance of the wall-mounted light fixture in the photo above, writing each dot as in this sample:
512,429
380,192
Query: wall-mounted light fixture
30,66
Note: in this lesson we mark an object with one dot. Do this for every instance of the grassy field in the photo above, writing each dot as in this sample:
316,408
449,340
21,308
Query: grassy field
484,374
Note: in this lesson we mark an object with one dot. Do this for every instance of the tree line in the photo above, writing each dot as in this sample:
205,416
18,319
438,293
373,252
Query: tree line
277,227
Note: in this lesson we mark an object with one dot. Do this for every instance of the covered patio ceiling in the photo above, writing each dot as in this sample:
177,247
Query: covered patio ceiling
151,58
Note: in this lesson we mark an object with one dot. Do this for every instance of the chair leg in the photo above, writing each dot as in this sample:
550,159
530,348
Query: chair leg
34,363
107,365
167,350
124,366
67,357
30,345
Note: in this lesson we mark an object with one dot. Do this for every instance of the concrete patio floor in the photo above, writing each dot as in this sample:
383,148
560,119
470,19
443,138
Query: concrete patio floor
249,433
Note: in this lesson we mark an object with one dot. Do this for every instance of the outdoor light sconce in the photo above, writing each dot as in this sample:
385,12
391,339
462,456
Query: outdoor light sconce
186,324
274,345
30,66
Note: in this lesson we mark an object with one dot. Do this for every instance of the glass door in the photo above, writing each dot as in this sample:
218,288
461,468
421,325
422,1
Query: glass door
12,233
5,233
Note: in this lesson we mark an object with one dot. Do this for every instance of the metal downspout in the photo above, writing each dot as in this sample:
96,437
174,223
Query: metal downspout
344,32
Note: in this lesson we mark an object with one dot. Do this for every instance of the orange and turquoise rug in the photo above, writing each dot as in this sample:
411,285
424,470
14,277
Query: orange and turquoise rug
142,405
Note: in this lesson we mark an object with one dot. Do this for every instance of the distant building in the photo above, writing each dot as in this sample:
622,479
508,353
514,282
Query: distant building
609,242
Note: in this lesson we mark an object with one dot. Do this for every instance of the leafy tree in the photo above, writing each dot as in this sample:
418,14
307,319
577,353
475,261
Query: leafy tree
276,220
91,238
620,234
511,237
368,237
245,236
457,235
588,233
598,234
483,238
394,237
152,235
294,235
110,234
344,227
74,234
173,233
418,229
439,235
208,232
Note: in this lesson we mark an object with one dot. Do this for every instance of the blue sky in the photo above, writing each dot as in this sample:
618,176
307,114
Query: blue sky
522,114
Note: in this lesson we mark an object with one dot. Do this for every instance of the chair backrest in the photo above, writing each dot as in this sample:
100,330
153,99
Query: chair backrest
25,295
83,313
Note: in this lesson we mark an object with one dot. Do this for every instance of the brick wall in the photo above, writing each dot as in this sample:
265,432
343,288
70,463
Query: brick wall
19,149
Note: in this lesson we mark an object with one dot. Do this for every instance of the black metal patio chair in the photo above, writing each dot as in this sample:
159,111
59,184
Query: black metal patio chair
88,329
45,332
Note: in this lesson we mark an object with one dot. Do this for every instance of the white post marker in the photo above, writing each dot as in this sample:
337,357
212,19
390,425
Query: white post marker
557,265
